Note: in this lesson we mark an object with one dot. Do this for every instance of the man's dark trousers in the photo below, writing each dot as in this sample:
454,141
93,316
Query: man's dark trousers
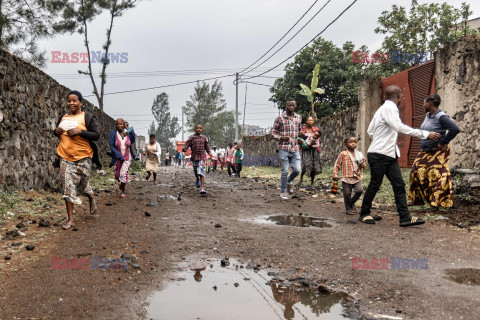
382,165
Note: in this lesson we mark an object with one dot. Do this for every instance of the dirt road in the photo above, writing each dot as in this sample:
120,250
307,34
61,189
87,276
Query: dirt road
185,228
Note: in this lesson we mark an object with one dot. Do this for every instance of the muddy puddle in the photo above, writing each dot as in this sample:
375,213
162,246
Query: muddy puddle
469,276
214,292
300,221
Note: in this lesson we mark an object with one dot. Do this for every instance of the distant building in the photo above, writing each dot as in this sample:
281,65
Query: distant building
474,24
250,130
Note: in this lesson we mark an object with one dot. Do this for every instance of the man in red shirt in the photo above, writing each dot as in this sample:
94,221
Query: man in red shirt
200,147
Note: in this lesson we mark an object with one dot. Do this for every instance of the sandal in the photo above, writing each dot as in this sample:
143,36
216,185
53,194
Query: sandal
122,195
68,226
414,221
367,219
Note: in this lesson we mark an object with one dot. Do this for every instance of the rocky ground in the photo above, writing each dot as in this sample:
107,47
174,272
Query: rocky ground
163,229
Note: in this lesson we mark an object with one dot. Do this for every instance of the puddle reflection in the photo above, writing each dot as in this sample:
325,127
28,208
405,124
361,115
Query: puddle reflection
300,221
231,292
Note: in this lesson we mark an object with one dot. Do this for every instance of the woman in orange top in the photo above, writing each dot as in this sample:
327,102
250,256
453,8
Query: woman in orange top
76,131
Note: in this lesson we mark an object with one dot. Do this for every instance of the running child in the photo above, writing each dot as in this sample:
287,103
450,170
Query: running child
350,163
200,147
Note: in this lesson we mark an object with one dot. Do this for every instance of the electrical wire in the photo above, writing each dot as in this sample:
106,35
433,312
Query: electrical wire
283,46
308,10
313,39
164,86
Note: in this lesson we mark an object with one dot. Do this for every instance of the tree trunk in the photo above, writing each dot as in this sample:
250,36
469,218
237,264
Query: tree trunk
90,72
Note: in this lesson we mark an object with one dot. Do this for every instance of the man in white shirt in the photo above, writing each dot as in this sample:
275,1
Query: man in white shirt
383,156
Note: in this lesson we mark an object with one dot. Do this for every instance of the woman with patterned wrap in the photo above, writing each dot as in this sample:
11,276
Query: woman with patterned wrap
77,131
430,179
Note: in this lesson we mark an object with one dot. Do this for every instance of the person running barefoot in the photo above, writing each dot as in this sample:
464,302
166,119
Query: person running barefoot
152,152
77,131
200,147
120,145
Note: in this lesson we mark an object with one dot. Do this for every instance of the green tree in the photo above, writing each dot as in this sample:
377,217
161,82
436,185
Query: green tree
208,108
76,17
23,23
338,76
423,29
167,126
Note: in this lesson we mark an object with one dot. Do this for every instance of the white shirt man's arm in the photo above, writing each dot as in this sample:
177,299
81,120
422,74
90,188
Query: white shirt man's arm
371,128
392,117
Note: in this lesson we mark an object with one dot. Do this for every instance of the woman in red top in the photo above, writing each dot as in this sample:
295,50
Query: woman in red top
311,165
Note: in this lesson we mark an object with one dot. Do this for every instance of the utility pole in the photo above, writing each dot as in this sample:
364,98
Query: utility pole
183,140
236,107
244,108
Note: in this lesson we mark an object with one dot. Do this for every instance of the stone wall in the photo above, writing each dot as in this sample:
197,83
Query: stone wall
260,151
457,77
31,102
335,129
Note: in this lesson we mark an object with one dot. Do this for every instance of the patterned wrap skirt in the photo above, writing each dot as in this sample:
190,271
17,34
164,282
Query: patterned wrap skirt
75,176
430,179
311,162
121,170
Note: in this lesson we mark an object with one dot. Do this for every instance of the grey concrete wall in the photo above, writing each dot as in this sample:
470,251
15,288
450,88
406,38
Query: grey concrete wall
457,77
31,102
369,98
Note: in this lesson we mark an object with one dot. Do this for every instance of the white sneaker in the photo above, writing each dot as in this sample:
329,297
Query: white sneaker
283,196
290,188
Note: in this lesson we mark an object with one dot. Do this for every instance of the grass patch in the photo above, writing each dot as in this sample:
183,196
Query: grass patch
384,196
9,201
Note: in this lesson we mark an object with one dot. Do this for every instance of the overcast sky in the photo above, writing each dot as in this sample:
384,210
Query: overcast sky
217,36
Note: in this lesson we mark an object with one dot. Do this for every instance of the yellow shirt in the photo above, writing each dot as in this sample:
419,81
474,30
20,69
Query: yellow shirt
73,148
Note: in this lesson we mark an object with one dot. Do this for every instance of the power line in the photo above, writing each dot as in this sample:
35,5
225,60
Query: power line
283,46
164,86
296,52
160,71
281,37
176,114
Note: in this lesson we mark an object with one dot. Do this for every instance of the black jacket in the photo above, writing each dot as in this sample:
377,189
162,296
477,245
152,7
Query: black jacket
91,134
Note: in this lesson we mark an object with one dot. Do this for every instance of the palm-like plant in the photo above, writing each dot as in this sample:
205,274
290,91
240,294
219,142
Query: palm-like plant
310,92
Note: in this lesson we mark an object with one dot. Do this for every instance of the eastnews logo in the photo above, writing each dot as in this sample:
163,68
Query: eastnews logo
82,57
392,57
393,263
93,263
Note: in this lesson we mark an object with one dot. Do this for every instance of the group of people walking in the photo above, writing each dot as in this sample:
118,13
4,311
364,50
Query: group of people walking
430,180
